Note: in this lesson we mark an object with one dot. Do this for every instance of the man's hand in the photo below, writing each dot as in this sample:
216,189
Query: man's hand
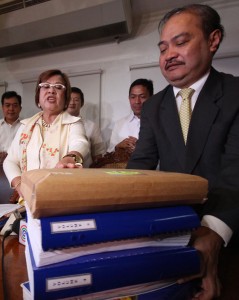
128,144
209,244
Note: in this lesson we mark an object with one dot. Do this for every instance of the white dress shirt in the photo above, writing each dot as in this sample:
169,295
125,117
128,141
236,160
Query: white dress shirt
7,134
97,145
123,128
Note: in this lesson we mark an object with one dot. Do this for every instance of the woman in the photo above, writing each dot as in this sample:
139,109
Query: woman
50,139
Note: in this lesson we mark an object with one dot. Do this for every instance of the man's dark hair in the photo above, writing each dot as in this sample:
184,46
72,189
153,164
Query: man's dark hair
210,19
11,94
78,91
144,82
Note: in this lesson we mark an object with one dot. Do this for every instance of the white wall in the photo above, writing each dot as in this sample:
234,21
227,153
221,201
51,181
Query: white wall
115,61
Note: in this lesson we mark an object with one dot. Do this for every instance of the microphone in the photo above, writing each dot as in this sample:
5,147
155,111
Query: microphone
15,226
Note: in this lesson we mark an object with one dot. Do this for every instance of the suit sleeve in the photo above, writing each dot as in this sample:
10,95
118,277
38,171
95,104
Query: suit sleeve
223,196
145,155
223,199
224,205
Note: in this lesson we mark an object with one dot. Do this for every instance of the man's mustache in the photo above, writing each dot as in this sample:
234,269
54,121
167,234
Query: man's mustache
173,62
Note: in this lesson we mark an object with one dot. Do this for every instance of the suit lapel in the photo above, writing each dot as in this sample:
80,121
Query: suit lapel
204,114
169,119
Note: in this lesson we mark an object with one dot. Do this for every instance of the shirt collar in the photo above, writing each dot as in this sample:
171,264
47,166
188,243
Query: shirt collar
132,117
15,122
197,86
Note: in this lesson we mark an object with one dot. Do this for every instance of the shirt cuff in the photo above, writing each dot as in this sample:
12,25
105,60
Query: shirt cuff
217,225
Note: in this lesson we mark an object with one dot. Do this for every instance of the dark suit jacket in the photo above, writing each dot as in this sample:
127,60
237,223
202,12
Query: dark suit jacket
212,149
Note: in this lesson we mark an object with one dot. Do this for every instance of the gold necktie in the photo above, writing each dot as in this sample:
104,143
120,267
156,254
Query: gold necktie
185,110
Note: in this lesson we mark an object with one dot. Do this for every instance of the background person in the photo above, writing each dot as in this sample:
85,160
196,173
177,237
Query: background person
11,107
51,138
125,131
97,145
189,38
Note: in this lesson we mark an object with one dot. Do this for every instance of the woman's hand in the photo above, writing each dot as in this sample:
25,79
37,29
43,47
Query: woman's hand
62,165
16,185
69,162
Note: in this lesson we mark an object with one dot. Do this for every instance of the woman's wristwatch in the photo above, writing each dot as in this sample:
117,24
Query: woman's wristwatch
78,159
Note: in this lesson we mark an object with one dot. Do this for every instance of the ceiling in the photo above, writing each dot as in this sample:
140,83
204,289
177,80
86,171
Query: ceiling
82,25
140,7
7,6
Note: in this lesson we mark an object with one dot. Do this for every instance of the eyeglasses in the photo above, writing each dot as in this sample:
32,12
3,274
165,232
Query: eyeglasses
57,86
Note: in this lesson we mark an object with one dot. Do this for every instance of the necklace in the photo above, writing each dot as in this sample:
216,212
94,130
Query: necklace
44,124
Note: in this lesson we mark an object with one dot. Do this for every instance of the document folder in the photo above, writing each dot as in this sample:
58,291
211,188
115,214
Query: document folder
104,271
163,290
59,192
84,229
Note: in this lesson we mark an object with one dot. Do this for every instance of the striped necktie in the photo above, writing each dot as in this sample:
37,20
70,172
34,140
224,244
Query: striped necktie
185,111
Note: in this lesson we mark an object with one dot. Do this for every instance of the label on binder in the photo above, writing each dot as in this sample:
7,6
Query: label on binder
66,282
68,226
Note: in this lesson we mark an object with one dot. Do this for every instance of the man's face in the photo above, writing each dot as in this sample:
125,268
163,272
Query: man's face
74,105
138,95
11,110
185,53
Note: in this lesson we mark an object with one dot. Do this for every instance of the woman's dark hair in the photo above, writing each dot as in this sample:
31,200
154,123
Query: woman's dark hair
210,19
45,76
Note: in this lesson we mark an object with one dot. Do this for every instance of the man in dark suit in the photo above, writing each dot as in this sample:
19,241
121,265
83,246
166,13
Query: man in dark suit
189,38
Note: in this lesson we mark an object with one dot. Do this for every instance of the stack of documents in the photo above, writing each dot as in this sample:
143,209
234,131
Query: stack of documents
82,254
108,253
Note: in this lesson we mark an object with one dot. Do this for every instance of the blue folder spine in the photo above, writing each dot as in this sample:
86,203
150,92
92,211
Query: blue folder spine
83,229
105,271
174,291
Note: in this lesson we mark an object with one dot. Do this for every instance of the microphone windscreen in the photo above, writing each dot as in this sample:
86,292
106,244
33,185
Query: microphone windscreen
16,226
